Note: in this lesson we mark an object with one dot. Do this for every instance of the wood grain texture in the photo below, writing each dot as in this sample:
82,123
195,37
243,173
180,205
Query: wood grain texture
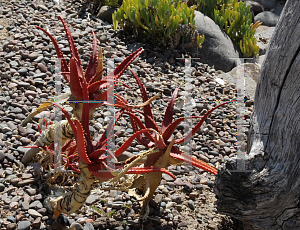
269,196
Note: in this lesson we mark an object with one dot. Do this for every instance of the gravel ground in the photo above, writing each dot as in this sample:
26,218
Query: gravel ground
27,79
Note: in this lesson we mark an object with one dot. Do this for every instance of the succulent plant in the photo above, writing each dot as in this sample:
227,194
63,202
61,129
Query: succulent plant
92,159
235,19
158,21
112,3
166,154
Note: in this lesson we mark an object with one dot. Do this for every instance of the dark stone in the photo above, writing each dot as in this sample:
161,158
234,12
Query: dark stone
105,13
2,155
255,7
267,18
269,4
218,49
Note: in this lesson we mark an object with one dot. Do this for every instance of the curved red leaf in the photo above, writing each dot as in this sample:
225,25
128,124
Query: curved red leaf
66,145
136,121
117,72
169,111
99,85
73,49
198,125
75,83
92,66
97,153
86,115
80,140
171,128
127,143
108,130
95,76
147,108
180,155
64,65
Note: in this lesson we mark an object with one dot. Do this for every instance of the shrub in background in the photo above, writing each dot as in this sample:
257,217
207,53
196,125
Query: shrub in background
164,22
113,3
235,19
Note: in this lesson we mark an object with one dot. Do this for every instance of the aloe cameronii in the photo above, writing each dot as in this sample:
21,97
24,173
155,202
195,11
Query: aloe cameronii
91,81
94,166
163,158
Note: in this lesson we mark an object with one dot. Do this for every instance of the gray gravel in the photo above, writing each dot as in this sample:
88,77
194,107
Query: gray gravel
26,80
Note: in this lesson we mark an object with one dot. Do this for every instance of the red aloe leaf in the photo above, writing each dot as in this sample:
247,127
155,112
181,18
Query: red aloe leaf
140,138
46,123
92,66
169,111
102,97
171,128
135,121
108,130
151,122
96,154
86,115
80,140
64,65
39,128
73,49
96,76
72,150
121,100
147,108
198,125
71,123
31,146
66,145
75,84
102,84
124,64
180,155
127,143
111,155
143,170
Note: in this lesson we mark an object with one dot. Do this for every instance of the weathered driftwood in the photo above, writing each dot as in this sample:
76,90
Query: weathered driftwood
268,197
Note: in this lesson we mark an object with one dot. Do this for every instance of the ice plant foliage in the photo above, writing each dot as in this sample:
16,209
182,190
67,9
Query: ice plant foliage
93,159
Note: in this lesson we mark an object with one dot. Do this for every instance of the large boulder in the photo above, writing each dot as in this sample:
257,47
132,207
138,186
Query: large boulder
255,7
267,18
268,4
105,13
218,50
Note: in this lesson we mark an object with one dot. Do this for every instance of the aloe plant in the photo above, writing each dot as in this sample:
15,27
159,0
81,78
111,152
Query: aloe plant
161,139
92,160
90,80
94,166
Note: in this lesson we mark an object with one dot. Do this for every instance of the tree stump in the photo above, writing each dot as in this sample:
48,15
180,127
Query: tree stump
268,197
